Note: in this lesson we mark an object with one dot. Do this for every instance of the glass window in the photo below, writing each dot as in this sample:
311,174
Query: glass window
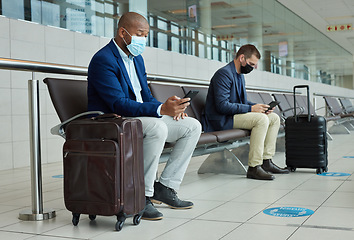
174,29
109,26
80,3
75,20
36,11
201,49
192,51
223,56
215,53
50,14
13,9
175,44
201,37
208,49
97,23
162,41
161,24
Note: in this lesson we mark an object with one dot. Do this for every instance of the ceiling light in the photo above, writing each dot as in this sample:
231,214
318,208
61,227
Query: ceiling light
178,11
224,26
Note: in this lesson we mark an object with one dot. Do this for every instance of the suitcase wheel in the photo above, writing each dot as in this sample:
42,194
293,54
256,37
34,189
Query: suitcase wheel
119,225
120,221
137,219
76,218
92,217
321,170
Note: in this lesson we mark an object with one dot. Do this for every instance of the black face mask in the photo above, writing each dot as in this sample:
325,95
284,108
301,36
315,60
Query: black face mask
246,69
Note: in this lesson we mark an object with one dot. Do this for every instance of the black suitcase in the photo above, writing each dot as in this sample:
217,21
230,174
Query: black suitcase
104,168
306,140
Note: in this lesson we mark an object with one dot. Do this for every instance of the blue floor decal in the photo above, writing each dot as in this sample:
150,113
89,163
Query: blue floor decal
58,176
348,156
334,174
288,212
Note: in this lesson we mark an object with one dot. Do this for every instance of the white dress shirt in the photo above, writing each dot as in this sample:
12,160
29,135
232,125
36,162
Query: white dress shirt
130,67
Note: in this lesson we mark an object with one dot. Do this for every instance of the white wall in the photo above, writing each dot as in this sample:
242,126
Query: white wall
30,41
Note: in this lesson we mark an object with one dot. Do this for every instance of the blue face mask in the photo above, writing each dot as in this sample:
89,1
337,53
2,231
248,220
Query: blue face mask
137,44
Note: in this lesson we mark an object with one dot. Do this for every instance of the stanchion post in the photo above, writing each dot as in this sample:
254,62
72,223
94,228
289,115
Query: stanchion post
37,213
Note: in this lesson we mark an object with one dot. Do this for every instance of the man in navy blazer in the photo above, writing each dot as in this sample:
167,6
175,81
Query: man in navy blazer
227,107
117,83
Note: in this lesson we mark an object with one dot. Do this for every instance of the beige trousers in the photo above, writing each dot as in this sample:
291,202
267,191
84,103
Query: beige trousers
264,131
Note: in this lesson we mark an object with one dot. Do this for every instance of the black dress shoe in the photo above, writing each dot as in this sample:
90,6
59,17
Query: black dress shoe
257,172
150,212
269,166
168,196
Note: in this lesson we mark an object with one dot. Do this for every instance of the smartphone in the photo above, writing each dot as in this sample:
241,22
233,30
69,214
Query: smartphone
191,94
272,104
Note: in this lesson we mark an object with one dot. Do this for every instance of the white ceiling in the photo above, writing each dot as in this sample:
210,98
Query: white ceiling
321,13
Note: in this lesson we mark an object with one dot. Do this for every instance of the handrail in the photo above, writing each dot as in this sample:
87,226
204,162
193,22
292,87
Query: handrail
33,66
330,95
160,78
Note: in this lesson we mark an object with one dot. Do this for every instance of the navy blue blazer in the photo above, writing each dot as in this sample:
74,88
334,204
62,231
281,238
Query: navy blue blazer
225,99
110,89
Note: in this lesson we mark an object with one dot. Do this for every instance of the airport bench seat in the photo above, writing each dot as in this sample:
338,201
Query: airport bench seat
347,105
69,98
335,108
162,91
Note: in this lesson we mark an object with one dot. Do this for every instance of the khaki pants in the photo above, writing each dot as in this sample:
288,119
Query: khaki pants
263,135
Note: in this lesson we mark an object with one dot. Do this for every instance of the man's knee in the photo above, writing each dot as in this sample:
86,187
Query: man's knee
194,126
262,120
274,118
156,129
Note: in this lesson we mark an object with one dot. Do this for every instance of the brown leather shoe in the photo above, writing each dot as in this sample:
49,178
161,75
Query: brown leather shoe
269,166
257,172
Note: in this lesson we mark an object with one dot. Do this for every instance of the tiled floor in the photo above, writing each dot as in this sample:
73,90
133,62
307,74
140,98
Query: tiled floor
226,206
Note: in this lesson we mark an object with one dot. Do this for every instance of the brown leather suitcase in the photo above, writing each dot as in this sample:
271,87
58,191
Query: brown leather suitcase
104,168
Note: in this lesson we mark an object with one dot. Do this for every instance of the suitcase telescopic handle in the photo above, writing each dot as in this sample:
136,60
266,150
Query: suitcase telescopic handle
308,101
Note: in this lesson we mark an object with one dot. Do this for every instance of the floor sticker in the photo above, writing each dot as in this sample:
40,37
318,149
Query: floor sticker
58,176
288,212
334,174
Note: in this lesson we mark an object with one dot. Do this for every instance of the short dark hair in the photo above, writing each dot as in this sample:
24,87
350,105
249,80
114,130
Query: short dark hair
248,50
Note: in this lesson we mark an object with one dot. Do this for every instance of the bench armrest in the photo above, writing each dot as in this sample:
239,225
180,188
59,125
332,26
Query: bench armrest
301,110
59,129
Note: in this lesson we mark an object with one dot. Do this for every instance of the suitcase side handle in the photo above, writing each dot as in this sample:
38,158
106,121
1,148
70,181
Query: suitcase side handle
105,116
308,101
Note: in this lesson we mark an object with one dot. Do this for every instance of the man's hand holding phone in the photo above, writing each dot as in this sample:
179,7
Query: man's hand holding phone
175,106
264,108
191,94
272,105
